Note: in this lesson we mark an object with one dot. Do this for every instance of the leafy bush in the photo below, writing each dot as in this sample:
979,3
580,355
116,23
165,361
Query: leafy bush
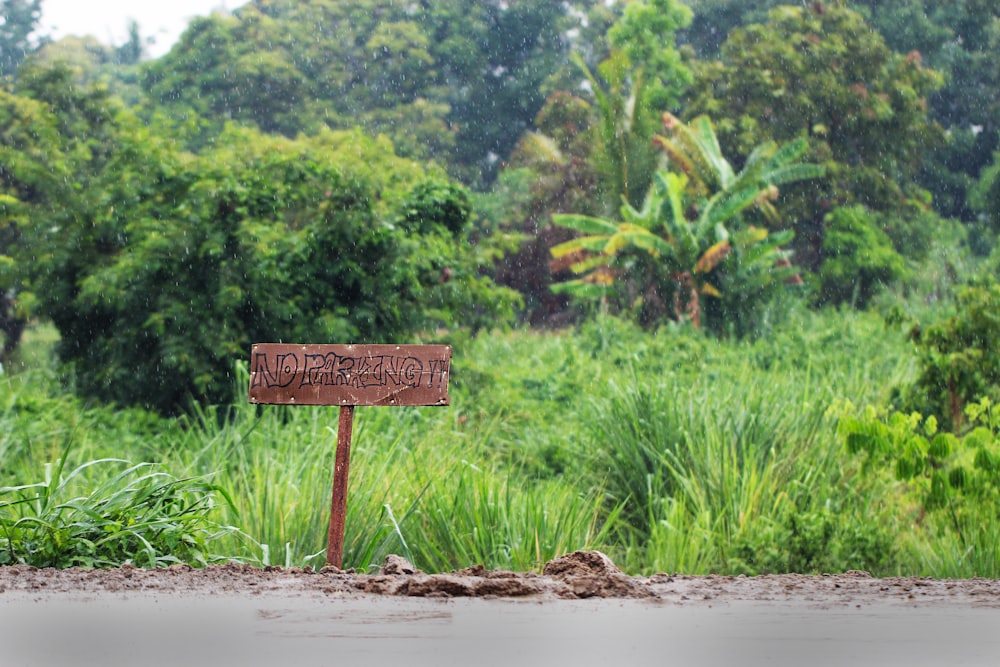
954,481
858,259
834,538
958,356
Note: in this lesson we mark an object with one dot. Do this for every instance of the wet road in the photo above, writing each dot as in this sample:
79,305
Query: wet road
110,630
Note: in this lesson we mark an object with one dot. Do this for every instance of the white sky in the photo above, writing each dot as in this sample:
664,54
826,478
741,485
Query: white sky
108,20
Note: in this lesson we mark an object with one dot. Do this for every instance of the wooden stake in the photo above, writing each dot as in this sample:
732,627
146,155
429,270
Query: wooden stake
338,503
348,376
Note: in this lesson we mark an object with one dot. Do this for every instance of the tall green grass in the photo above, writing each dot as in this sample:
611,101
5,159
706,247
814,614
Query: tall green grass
716,460
422,483
74,509
670,450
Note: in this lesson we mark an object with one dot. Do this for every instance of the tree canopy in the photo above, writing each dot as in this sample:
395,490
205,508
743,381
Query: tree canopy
19,20
160,267
451,80
822,73
369,168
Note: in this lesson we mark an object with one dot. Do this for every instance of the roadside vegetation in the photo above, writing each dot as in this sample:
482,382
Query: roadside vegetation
670,450
720,300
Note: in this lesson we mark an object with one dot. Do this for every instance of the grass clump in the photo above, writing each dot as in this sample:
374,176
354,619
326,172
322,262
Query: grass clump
728,461
108,512
946,486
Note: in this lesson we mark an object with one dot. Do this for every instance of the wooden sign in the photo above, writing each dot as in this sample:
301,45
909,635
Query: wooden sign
348,375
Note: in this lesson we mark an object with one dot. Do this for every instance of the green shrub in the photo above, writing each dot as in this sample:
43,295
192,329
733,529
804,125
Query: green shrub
811,540
950,484
858,259
958,356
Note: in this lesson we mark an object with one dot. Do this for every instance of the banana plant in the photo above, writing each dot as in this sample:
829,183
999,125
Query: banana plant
684,232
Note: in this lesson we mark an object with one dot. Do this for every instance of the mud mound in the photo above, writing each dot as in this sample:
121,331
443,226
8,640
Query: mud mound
592,574
399,577
581,574
398,565
582,564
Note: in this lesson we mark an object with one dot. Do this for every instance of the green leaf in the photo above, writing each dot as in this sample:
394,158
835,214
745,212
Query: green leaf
637,236
585,223
580,289
795,172
589,264
589,243
708,142
787,153
726,205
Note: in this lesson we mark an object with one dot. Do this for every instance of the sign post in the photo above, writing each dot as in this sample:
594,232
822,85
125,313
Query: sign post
348,376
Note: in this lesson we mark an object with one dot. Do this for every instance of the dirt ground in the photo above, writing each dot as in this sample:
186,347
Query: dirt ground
580,575
581,610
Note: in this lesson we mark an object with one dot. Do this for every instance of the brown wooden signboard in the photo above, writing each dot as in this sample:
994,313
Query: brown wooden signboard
347,376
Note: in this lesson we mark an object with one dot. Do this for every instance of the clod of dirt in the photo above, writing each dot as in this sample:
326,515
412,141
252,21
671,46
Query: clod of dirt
581,563
592,574
397,565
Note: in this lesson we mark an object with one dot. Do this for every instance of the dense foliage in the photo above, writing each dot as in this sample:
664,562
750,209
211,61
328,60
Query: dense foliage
352,171
959,356
661,259
455,81
161,267
819,72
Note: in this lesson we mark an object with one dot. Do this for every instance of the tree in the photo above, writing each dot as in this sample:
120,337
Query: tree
960,39
20,18
90,63
588,157
956,38
821,73
860,258
689,232
452,80
714,19
12,322
34,161
959,362
496,74
551,169
984,197
222,70
160,267
130,53
646,35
